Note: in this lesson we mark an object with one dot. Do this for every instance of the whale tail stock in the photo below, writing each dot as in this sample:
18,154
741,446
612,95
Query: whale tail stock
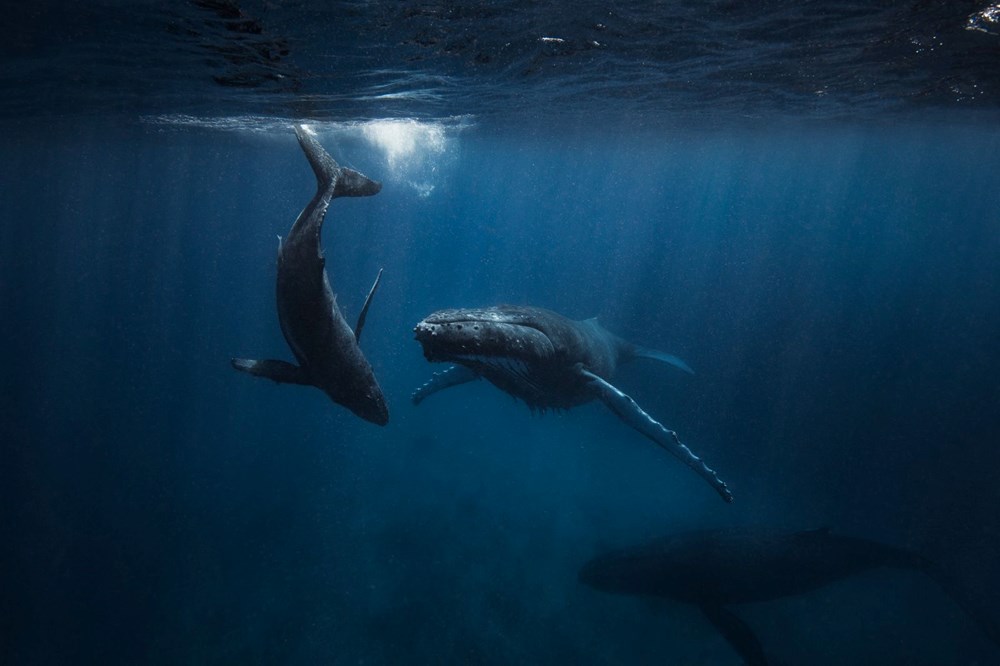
335,181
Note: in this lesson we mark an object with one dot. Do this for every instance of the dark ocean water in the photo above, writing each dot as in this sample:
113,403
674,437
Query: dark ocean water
799,199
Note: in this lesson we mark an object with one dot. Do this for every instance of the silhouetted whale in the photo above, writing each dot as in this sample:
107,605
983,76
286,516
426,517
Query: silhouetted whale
547,360
713,569
326,348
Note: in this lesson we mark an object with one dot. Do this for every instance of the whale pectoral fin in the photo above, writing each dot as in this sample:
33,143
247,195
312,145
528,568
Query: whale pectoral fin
662,357
439,381
629,412
364,308
737,632
277,371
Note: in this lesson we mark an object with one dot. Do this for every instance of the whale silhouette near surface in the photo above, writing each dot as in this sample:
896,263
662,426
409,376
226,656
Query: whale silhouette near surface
327,350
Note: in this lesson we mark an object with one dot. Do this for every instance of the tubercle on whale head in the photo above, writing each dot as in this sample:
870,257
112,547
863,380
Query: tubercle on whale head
465,335
450,340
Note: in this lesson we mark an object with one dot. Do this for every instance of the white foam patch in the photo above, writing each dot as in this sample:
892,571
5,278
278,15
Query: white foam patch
414,150
403,141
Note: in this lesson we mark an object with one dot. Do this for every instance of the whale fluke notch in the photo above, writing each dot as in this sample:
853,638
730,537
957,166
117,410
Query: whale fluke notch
364,308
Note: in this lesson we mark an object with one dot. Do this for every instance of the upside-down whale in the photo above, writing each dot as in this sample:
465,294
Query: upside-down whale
321,340
549,362
714,569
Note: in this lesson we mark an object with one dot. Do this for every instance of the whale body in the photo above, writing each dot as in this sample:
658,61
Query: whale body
327,350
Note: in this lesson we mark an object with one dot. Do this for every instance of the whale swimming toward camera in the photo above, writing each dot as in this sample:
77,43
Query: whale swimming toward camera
549,362
324,345
716,569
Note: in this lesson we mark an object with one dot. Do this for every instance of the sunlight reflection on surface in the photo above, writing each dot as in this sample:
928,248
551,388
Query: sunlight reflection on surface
412,149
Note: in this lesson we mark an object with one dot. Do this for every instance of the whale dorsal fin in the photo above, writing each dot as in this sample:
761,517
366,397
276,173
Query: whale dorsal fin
663,357
364,308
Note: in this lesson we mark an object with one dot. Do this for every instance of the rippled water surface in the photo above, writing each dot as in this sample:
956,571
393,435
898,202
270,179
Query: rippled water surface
716,60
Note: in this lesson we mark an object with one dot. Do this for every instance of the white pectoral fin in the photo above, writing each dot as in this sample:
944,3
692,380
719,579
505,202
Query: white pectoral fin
439,381
630,412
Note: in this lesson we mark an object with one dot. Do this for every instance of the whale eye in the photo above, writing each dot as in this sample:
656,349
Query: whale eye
458,326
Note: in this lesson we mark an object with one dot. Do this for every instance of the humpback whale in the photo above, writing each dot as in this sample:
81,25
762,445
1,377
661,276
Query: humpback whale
326,348
714,569
549,362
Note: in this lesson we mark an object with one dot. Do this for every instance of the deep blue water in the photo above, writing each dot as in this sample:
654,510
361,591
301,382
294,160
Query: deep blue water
834,284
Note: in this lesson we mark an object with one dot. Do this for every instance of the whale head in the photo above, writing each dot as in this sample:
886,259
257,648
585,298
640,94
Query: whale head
504,337
531,353
369,405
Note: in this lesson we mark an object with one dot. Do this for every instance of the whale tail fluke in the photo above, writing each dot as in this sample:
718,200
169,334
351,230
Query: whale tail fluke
350,183
345,182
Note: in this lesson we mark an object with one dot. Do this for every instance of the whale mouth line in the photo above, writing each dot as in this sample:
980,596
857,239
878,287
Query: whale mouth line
509,363
511,368
477,341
